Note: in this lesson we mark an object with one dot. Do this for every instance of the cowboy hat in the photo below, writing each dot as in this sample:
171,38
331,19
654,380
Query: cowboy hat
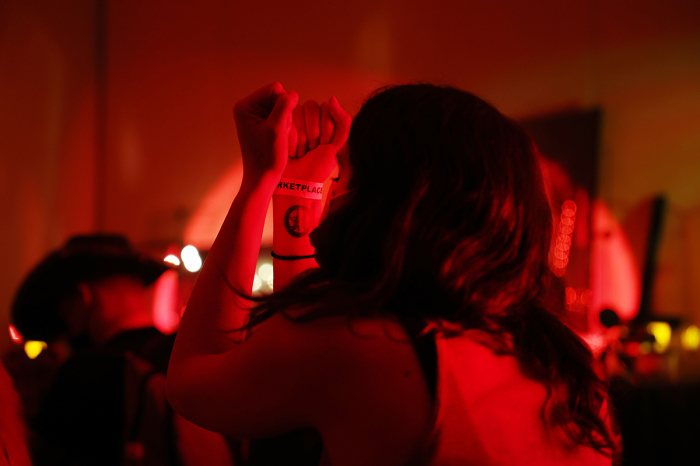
84,258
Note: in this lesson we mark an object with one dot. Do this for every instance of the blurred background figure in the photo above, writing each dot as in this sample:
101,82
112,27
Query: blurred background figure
13,447
106,404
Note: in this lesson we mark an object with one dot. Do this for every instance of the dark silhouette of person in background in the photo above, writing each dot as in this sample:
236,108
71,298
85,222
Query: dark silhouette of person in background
106,404
13,440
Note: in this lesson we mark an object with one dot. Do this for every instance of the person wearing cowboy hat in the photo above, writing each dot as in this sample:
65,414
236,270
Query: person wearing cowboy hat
95,293
89,290
106,404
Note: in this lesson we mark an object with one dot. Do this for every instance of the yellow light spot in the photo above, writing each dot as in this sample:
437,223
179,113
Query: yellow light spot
34,348
690,339
662,334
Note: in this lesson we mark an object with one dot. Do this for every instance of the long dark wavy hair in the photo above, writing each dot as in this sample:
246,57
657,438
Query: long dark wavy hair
447,222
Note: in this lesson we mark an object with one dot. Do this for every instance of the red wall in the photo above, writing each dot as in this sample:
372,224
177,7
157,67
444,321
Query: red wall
176,68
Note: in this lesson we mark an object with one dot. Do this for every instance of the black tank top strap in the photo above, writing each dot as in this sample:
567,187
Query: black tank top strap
424,346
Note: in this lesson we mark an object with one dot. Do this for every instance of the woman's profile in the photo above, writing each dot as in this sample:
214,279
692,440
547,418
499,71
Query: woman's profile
418,323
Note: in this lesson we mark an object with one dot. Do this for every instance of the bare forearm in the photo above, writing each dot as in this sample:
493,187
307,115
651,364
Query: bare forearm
214,308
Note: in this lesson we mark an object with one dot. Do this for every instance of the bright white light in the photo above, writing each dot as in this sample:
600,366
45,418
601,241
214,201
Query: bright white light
172,259
191,259
265,272
257,282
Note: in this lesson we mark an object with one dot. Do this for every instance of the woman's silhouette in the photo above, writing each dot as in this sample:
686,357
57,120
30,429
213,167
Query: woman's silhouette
428,333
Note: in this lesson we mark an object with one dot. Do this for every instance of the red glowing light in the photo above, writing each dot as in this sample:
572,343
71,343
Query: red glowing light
615,277
166,302
570,295
585,297
567,221
564,240
15,336
632,349
569,206
560,254
561,263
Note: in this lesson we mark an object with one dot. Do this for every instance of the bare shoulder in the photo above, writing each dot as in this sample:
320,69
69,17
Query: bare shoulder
357,381
340,347
336,366
356,341
366,387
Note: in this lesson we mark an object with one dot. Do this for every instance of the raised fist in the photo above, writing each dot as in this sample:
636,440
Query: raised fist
264,121
318,133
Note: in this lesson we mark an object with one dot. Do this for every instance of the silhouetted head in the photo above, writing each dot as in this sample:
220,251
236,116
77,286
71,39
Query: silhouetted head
54,293
446,213
446,222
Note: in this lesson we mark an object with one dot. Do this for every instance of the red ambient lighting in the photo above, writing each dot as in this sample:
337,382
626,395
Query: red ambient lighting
559,257
576,300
